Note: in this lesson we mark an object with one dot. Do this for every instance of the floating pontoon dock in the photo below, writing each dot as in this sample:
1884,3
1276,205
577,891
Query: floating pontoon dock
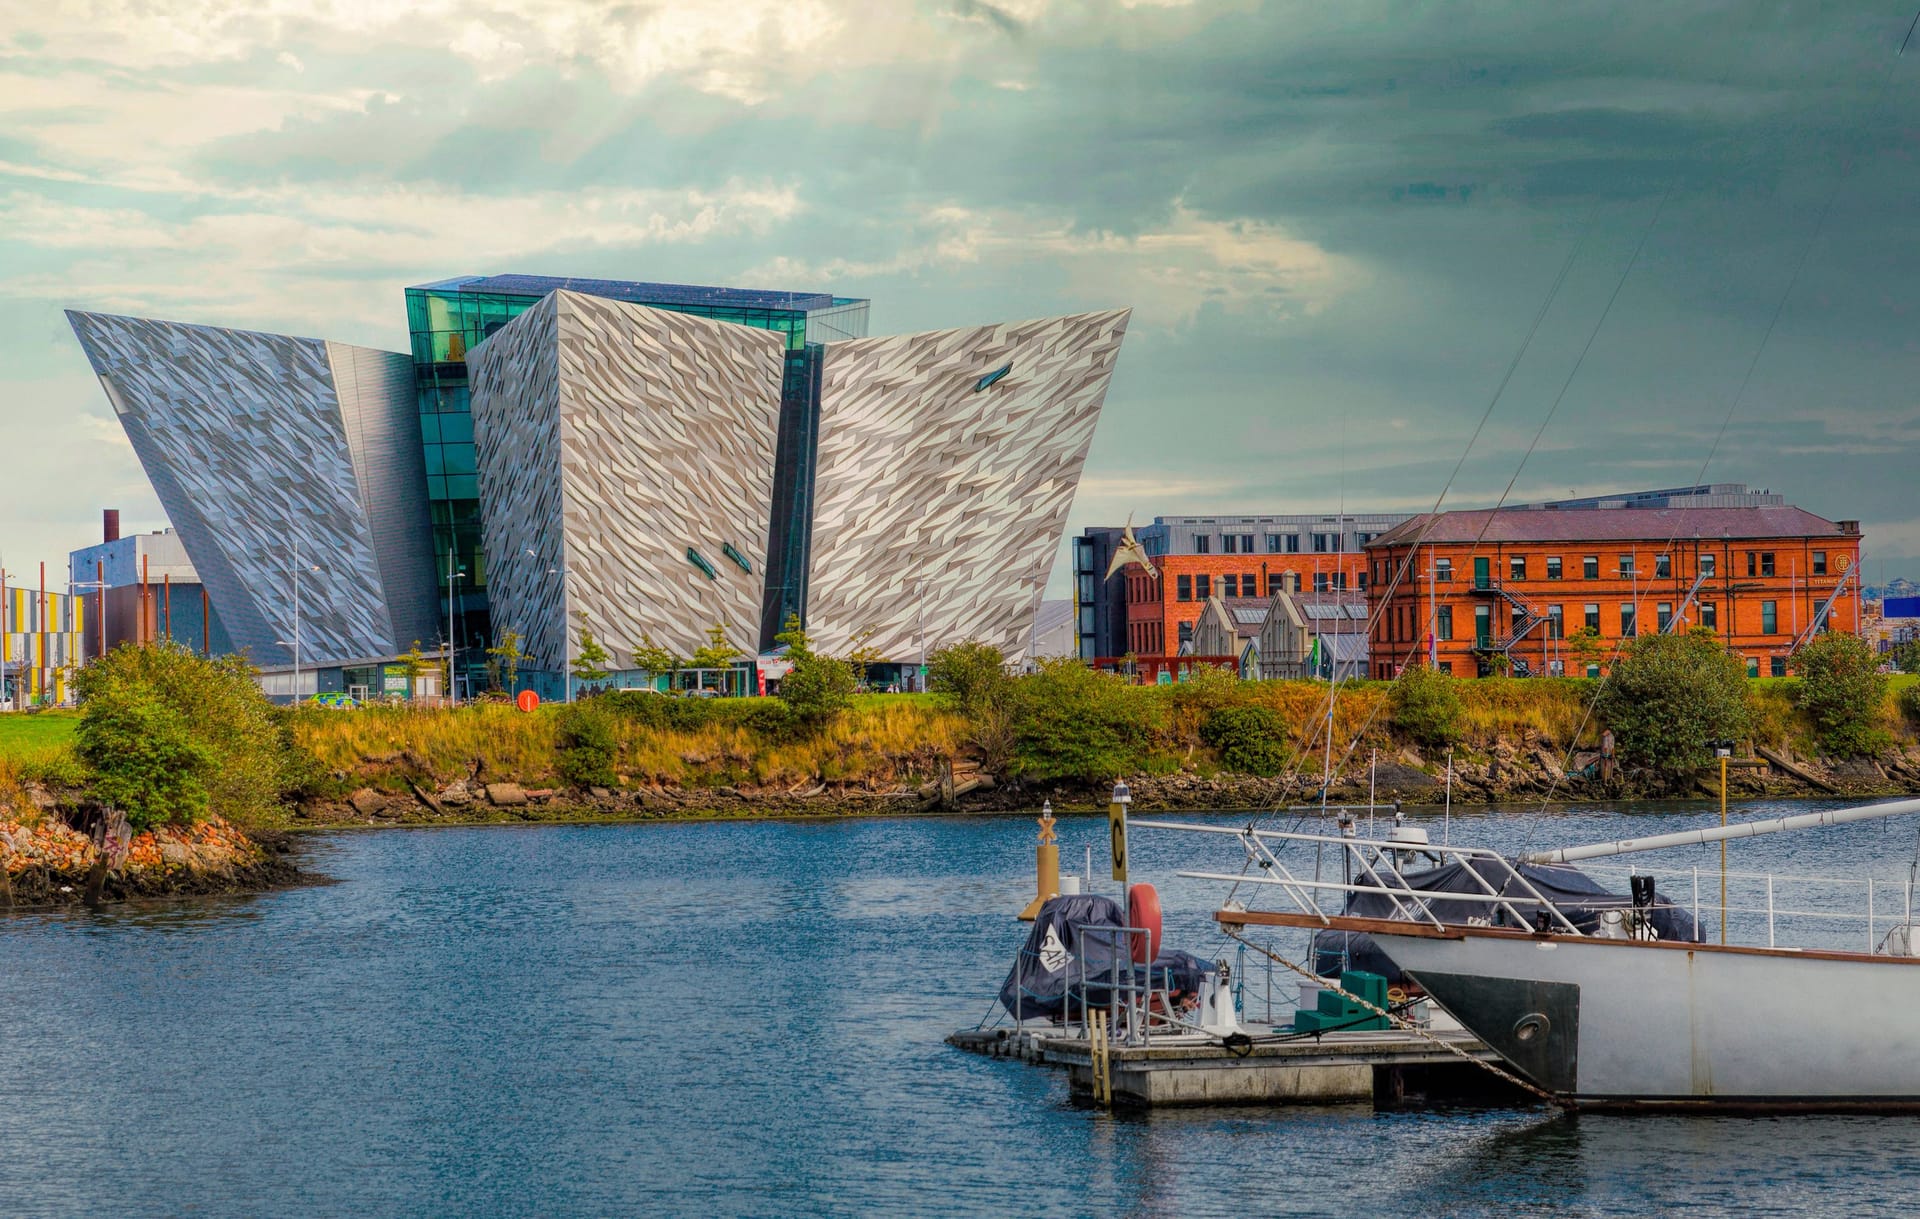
1333,1068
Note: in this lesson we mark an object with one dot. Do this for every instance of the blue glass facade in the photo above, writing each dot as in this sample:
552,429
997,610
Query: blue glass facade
449,318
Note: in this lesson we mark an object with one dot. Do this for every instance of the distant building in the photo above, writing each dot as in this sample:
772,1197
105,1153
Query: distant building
40,643
150,592
1484,592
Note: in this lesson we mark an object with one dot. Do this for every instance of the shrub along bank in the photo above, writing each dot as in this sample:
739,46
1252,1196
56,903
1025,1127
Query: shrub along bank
167,738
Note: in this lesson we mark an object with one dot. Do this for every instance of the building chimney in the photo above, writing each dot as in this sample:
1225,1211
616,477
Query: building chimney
109,524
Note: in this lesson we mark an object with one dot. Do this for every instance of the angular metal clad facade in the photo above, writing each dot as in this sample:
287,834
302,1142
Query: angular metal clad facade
255,441
947,464
612,439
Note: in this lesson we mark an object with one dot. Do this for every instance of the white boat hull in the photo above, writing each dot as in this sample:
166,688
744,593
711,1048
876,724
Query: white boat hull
1611,1023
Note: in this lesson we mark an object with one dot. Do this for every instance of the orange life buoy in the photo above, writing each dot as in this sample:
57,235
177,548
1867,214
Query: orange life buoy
1143,910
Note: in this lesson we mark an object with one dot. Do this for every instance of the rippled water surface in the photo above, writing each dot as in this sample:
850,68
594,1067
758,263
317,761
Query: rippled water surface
739,1018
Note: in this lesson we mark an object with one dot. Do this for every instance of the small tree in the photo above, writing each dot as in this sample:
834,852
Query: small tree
794,637
503,660
1585,648
416,665
650,657
863,654
589,659
1670,695
1843,692
716,653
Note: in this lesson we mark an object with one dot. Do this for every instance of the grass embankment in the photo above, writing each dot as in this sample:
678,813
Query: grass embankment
879,740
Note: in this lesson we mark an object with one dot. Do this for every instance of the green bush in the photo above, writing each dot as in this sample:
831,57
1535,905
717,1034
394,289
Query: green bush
1669,695
972,673
587,744
816,689
144,758
1070,722
169,735
1843,691
1425,706
1249,739
1910,704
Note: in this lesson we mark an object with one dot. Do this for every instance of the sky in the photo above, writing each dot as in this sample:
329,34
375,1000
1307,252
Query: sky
1337,224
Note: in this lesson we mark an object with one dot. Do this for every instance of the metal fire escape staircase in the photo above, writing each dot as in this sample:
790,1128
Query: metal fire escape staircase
1526,620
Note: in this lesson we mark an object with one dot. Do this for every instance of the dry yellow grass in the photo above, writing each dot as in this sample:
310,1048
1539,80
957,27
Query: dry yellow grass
878,740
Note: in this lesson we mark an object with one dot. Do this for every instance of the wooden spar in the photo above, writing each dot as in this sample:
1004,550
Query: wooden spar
1745,829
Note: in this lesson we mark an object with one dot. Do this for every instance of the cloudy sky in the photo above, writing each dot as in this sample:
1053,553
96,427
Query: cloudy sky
1335,222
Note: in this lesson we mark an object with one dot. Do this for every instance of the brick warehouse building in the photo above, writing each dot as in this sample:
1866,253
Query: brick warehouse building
1200,556
1509,588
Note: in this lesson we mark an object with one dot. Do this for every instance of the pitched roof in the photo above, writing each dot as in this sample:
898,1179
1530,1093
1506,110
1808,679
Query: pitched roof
1610,525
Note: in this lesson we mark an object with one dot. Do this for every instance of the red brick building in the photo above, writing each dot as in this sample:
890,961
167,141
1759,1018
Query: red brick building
1488,591
1161,610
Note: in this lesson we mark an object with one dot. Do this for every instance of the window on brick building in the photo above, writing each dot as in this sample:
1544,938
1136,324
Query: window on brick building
1592,615
1443,570
1185,585
1247,587
1753,666
1276,581
1710,615
1663,615
1769,617
1753,569
1819,562
1590,567
1443,622
1777,667
1662,566
1626,566
1556,622
1707,565
1517,567
1593,670
1766,562
1203,586
1553,567
1627,626
1319,581
1229,585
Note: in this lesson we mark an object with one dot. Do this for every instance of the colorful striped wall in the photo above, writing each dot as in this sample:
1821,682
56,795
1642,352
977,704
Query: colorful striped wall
41,638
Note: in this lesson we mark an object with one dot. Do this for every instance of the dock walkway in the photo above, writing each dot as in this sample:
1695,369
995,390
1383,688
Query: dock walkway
1333,1068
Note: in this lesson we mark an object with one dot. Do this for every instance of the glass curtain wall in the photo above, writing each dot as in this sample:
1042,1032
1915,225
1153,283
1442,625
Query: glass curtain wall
448,319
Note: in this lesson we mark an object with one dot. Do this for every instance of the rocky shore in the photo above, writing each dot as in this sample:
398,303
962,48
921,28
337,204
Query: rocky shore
1508,773
47,862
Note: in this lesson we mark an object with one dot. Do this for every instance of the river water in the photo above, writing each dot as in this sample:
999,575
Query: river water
739,1018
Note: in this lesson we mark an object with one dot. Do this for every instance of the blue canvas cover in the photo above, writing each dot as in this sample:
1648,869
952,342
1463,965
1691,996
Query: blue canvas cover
1076,937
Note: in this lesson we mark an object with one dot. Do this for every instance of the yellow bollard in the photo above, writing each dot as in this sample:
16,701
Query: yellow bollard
1046,865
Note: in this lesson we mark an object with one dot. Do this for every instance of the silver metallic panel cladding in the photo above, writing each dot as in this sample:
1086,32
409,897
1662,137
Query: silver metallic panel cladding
610,438
246,439
941,504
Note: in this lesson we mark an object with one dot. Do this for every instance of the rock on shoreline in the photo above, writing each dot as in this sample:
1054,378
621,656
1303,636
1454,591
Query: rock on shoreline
49,863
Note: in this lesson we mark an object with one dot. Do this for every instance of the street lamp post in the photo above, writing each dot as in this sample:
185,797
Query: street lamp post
452,575
566,645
